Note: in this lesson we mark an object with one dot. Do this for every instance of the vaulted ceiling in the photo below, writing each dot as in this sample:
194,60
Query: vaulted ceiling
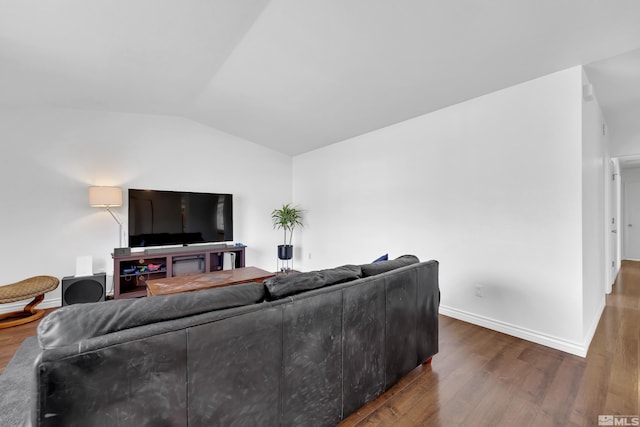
295,75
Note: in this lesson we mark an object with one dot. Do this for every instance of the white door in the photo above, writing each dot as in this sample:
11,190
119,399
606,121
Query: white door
631,223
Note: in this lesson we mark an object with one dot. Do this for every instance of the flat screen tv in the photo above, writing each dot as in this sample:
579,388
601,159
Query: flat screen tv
159,218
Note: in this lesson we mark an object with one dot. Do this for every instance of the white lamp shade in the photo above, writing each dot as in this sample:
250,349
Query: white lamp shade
104,197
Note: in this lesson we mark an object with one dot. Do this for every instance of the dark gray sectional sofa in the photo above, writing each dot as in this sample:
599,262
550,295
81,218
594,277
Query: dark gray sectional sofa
303,349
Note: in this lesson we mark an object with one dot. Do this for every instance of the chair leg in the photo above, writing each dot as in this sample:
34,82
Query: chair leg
28,314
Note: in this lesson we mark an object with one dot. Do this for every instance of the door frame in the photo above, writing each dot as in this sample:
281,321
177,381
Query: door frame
615,203
613,219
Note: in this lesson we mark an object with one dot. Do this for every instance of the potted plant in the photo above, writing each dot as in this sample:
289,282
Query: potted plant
286,218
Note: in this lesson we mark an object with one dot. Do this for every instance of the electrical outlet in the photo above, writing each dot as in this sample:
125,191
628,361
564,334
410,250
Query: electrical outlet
479,290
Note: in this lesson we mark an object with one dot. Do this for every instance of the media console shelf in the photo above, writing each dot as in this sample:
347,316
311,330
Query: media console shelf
130,272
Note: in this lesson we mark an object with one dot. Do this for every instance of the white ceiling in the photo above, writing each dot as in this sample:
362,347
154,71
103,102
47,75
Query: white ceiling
297,75
616,84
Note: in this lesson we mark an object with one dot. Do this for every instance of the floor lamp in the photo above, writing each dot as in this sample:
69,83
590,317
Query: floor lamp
107,197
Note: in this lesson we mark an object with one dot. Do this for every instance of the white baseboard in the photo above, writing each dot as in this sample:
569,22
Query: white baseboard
19,305
579,349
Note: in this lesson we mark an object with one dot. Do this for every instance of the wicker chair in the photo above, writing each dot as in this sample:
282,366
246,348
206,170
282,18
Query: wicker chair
34,287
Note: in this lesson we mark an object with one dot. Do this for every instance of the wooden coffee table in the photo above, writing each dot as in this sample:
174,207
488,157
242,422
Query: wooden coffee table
214,279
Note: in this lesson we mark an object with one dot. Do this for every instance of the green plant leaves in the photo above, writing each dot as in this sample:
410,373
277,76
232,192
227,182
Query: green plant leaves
287,218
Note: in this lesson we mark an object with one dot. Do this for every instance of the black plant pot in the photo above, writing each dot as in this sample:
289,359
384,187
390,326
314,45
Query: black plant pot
285,251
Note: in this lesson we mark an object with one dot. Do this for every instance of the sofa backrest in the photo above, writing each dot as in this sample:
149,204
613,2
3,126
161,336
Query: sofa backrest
78,322
284,285
379,267
306,359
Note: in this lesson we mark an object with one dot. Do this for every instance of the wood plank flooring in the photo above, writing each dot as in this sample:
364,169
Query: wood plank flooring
11,338
485,378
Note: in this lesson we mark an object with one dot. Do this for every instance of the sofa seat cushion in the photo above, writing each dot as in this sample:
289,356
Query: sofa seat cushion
77,322
284,285
384,266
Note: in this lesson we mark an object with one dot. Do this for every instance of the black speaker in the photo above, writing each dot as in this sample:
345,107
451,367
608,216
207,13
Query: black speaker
83,289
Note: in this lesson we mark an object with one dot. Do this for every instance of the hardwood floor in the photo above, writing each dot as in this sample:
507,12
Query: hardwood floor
11,338
485,378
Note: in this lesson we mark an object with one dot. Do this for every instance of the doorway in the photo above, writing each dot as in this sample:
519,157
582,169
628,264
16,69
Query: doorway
622,212
630,225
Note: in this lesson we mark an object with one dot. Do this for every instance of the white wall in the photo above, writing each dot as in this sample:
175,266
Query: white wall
49,158
492,188
594,227
501,189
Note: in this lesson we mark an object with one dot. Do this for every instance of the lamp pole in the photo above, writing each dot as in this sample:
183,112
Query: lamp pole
119,226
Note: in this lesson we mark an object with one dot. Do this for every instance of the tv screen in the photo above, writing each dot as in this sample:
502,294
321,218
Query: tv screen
159,218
